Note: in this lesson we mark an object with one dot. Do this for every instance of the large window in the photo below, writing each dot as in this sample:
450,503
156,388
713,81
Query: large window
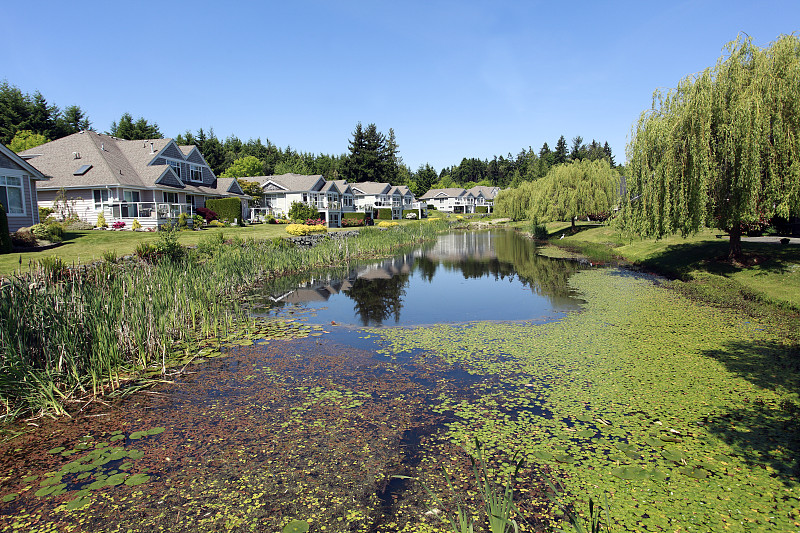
170,197
131,206
100,198
195,173
11,195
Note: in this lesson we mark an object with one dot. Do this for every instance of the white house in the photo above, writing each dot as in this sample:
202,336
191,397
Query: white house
451,200
18,190
152,181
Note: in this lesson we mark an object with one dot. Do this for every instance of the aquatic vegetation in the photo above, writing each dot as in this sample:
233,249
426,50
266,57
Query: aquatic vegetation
633,396
78,332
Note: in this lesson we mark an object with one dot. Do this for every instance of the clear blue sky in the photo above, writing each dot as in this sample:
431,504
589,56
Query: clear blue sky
454,79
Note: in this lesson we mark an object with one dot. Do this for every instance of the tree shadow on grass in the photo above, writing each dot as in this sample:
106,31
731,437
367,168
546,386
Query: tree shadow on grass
679,260
765,434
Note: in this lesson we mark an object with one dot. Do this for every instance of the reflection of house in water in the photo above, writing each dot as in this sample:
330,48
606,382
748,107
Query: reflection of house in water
461,246
322,288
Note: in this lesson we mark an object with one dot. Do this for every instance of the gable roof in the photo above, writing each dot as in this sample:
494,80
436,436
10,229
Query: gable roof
343,186
370,188
488,192
453,192
22,163
292,182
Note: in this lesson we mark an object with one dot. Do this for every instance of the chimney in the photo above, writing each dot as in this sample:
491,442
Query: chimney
152,150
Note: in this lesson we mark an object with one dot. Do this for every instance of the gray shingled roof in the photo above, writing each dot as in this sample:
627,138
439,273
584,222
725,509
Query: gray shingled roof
370,187
292,182
342,185
488,192
453,192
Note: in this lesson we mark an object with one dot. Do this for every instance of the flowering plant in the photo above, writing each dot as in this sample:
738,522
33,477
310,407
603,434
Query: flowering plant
118,224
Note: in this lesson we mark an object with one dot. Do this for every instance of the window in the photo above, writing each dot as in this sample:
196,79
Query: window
11,195
195,173
176,167
100,198
133,209
170,197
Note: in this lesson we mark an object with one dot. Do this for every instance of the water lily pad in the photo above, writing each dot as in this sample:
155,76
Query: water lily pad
116,438
564,458
51,490
135,454
116,479
137,479
296,526
584,417
48,481
136,435
655,442
671,454
78,503
586,433
155,431
693,472
28,479
630,472
54,451
545,456
9,497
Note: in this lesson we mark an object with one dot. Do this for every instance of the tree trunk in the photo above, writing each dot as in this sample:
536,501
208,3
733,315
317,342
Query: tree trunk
573,224
735,250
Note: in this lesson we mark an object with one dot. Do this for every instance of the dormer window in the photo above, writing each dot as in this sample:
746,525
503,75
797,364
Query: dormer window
195,173
176,167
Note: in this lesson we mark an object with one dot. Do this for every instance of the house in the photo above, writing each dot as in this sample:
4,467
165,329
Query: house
18,190
371,196
280,192
484,196
451,200
152,181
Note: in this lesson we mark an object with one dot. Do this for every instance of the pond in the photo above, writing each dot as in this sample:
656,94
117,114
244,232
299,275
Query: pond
463,277
603,381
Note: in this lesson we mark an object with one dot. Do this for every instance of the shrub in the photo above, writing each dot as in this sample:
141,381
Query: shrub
101,220
539,231
136,224
352,222
183,221
354,216
197,221
145,251
315,222
301,211
52,231
216,224
481,208
23,237
387,224
45,212
302,229
271,220
119,224
229,209
385,213
207,214
72,225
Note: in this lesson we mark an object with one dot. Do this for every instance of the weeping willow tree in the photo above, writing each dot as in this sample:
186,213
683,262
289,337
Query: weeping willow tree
722,149
574,190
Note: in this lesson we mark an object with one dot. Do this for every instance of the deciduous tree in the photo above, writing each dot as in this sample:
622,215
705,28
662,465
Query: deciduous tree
722,149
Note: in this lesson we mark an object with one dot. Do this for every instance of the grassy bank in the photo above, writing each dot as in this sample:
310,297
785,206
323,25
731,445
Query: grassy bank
699,263
70,333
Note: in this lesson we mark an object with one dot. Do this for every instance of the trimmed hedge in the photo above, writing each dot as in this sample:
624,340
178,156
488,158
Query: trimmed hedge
226,208
481,208
385,214
407,211
354,216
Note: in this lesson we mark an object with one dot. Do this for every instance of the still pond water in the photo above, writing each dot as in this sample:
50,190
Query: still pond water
463,277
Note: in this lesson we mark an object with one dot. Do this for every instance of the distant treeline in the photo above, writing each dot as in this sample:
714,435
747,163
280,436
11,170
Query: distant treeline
27,120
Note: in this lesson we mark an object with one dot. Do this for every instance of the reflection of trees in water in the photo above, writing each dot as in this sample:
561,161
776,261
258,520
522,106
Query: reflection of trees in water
378,299
544,275
515,255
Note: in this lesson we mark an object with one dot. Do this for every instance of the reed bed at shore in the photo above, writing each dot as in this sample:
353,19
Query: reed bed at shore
70,334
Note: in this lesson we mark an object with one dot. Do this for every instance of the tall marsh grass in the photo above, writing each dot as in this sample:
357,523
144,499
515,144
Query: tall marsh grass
78,332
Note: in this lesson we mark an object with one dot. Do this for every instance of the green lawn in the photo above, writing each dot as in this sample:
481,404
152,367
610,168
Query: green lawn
699,257
87,246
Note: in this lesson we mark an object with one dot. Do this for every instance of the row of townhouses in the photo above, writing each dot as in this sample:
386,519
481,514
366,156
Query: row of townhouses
154,181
